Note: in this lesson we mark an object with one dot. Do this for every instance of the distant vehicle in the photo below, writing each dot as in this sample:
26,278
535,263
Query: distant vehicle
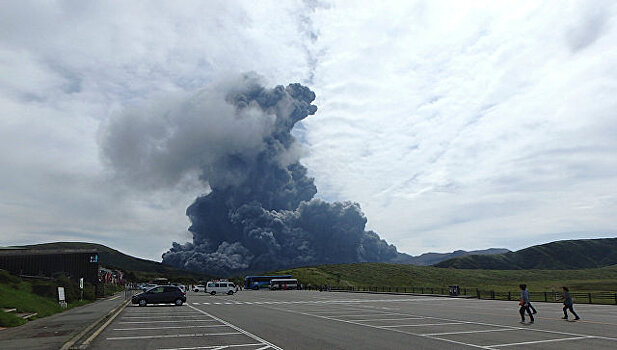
283,283
256,282
147,286
181,286
220,288
199,288
160,295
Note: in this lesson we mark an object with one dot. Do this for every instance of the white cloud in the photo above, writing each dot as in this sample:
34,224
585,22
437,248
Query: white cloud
469,127
67,66
454,124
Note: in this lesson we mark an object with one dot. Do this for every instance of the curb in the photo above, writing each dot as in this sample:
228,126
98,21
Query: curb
414,294
110,316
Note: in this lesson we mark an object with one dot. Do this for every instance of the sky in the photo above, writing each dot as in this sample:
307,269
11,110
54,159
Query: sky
454,125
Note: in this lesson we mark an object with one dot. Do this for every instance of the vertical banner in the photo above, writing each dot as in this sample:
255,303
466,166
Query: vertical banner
61,298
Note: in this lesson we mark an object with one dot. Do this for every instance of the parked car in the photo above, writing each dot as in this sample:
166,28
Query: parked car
199,288
220,287
160,295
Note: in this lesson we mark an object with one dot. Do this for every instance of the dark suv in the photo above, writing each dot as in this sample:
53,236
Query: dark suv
160,295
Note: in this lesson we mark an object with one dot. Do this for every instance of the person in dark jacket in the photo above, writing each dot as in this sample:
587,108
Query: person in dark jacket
524,303
568,304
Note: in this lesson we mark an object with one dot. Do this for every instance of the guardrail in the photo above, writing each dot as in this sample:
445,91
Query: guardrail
553,296
129,292
411,290
546,296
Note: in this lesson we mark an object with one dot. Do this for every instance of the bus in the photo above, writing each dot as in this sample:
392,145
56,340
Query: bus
283,283
256,282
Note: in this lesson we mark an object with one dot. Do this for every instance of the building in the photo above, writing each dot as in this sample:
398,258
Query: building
74,263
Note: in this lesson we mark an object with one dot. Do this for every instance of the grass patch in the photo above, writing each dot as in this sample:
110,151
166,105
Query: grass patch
393,275
20,296
10,320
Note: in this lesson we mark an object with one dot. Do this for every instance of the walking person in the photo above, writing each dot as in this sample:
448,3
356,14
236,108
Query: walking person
533,309
568,304
524,303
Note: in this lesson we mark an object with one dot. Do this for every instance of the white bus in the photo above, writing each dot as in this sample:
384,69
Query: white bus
283,283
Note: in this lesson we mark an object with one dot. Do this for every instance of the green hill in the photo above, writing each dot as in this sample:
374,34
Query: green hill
427,259
560,255
399,275
142,269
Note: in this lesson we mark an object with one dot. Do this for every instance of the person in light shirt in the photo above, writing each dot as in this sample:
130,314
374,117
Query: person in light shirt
524,303
568,304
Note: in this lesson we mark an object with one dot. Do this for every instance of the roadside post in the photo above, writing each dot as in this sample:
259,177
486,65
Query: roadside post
81,288
61,297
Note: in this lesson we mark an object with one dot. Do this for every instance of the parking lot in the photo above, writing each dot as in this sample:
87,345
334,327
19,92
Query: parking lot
331,320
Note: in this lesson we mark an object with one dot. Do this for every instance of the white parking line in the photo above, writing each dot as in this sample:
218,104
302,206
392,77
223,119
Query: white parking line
391,319
422,325
540,341
214,347
162,316
364,315
238,329
172,336
454,342
469,332
169,327
347,314
130,322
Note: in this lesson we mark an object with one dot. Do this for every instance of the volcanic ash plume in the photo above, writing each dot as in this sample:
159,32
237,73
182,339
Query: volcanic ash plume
260,214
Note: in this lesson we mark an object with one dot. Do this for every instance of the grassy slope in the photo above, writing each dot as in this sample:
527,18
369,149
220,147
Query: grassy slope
560,255
114,259
391,275
18,294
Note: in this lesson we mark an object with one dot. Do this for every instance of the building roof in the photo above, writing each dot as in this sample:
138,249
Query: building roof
10,251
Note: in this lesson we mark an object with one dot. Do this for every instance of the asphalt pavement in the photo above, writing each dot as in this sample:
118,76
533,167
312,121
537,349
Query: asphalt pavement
330,320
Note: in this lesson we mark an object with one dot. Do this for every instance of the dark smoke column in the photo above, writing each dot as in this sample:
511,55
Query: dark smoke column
260,214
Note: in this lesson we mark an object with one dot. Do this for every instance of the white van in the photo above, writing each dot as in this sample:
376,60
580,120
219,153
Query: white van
220,288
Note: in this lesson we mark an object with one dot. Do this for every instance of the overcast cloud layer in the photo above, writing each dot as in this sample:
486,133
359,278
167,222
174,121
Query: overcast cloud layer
488,125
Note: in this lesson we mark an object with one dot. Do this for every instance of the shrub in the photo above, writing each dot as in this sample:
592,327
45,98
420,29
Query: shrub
89,293
49,289
45,289
71,288
6,277
10,320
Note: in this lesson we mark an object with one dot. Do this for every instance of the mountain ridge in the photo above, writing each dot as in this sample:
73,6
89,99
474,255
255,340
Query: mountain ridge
557,255
431,258
112,258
